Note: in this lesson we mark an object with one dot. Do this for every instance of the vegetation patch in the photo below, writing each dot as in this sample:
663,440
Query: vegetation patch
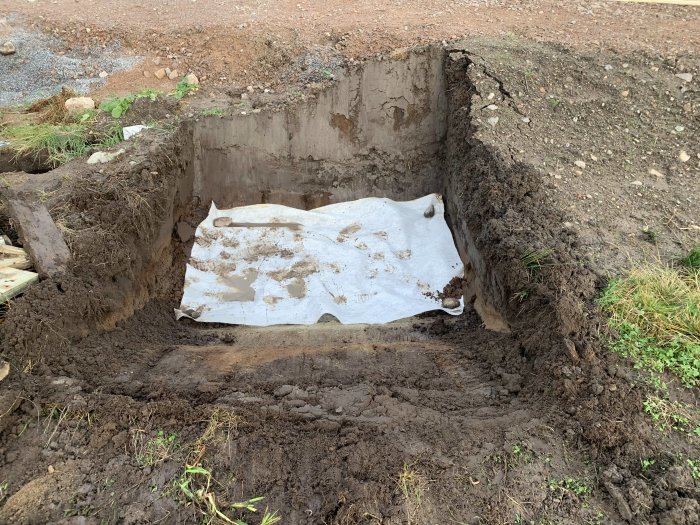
672,415
655,314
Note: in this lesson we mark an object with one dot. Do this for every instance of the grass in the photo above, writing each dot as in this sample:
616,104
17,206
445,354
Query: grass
691,261
212,112
412,486
655,312
533,259
118,106
672,415
154,450
60,142
195,485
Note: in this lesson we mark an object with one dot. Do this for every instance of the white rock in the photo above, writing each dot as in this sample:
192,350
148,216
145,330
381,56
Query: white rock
683,156
580,164
679,128
103,74
492,107
608,67
8,48
4,369
103,157
656,173
173,74
192,79
636,183
526,120
493,121
79,104
685,77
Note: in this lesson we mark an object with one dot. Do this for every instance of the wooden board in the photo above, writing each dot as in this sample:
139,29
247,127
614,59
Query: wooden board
13,257
14,282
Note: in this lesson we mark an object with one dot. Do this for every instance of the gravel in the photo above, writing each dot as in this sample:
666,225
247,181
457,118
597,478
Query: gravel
36,70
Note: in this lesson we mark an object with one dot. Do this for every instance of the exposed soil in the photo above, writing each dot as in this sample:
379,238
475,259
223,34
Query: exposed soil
490,425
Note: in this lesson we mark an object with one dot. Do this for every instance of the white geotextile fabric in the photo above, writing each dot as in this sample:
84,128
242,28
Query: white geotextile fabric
366,261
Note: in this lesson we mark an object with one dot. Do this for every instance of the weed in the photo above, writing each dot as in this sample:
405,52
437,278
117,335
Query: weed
532,259
327,73
692,260
212,112
113,136
154,450
656,314
672,415
521,295
412,486
646,464
4,489
694,467
184,88
570,486
195,484
118,106
60,142
649,235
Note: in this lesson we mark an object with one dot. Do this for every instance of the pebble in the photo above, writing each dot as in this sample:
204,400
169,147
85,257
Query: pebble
51,470
492,107
526,120
160,73
450,303
192,79
493,121
8,48
250,89
173,74
656,173
4,369
636,183
79,104
608,67
146,73
580,164
679,128
103,74
683,156
624,93
685,77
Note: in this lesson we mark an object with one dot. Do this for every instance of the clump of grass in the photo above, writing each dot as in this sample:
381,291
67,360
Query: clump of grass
412,486
692,260
52,109
60,142
655,312
672,415
533,259
195,484
150,451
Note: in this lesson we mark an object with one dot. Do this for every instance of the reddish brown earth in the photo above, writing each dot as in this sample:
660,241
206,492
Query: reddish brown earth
429,420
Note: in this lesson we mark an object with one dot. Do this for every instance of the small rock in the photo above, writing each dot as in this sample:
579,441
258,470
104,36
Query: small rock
608,67
167,71
146,73
492,107
103,74
679,128
597,389
493,121
450,303
160,74
624,93
568,224
51,470
636,183
526,120
683,156
173,74
79,104
685,77
580,164
8,48
250,89
656,173
284,390
102,157
192,79
429,212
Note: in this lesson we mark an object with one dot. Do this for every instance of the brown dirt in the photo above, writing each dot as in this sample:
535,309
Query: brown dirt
327,418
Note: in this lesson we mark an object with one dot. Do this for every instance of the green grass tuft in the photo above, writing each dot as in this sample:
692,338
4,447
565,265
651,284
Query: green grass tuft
184,88
60,142
656,314
692,260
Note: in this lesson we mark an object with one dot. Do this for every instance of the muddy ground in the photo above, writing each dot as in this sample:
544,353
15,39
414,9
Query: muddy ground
424,421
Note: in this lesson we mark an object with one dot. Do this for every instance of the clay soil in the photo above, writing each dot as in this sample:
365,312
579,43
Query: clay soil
431,420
